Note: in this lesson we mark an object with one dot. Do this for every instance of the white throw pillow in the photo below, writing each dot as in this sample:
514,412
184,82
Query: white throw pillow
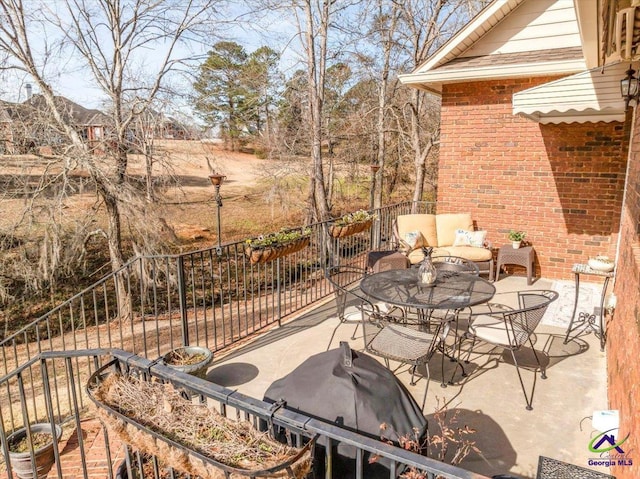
470,238
463,238
478,238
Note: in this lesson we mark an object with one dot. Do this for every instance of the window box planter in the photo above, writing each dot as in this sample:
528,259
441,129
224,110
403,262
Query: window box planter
44,457
351,224
190,438
276,245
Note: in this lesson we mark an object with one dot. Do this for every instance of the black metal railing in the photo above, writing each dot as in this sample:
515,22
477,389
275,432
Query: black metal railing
59,396
209,297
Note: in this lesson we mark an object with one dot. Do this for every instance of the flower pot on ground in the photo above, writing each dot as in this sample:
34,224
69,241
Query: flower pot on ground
275,245
351,224
19,447
192,360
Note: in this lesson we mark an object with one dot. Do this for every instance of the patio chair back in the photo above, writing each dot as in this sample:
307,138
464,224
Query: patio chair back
343,278
524,321
395,339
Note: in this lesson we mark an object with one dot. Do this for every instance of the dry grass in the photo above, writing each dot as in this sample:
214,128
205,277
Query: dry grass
163,409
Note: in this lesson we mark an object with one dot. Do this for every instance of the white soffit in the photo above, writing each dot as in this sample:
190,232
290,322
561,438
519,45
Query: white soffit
589,96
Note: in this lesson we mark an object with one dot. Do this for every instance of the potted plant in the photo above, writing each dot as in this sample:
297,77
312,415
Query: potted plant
269,247
601,263
351,224
516,238
20,444
192,360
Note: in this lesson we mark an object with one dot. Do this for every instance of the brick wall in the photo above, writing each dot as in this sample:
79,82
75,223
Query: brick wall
623,341
562,184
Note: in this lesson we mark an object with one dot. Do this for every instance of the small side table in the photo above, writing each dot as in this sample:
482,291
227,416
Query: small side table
589,318
378,261
523,256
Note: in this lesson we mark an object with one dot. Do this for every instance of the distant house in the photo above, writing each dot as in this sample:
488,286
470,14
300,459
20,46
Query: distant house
32,129
158,125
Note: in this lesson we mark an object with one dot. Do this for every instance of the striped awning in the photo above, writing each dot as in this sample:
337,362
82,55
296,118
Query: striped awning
589,96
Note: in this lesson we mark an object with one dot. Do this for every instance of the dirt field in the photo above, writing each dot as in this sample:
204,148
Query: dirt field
257,194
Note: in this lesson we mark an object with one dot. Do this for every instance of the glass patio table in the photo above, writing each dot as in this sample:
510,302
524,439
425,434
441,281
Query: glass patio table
452,292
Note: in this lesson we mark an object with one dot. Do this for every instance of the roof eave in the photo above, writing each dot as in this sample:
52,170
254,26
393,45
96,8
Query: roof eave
478,26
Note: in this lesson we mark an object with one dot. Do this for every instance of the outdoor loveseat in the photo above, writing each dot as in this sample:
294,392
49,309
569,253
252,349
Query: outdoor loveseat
450,234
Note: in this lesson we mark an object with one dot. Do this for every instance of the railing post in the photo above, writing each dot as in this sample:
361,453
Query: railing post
182,292
278,292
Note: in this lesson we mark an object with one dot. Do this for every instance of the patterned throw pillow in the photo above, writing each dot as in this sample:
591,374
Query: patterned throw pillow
470,238
414,239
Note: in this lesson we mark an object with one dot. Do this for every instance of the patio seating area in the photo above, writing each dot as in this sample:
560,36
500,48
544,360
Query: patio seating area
490,400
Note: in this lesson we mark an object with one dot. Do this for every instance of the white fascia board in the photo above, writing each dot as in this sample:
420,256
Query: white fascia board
587,15
478,23
437,77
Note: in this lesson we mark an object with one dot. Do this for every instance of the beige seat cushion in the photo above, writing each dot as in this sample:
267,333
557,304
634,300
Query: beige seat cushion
494,330
424,223
472,253
490,329
448,223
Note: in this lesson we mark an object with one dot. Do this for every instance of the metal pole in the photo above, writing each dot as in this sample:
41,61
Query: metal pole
218,206
182,295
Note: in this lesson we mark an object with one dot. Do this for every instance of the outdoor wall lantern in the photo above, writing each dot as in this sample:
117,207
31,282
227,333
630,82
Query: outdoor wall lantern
629,88
216,180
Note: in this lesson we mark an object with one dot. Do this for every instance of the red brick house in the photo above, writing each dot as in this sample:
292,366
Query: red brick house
29,127
535,137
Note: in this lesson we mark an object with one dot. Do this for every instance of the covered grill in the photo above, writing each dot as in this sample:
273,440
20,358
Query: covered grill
351,390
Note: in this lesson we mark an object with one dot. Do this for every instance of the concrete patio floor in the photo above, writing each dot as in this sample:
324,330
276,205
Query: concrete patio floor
489,400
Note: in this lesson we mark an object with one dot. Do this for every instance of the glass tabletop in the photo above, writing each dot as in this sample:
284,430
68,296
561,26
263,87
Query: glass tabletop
452,290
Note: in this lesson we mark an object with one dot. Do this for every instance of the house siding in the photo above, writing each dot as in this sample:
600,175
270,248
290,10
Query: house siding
562,184
534,25
623,341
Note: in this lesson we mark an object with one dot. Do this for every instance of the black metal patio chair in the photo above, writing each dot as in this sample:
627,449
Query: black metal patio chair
505,327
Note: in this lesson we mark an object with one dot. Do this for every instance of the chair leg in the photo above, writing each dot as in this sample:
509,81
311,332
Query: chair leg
413,374
466,361
543,370
528,399
353,335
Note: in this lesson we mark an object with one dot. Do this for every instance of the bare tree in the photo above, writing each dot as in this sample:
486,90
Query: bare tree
110,39
424,26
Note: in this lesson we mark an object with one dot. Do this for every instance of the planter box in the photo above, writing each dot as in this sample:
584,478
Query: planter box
350,229
168,432
265,254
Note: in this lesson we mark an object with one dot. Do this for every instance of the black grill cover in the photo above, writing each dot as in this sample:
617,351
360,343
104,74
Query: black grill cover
351,390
